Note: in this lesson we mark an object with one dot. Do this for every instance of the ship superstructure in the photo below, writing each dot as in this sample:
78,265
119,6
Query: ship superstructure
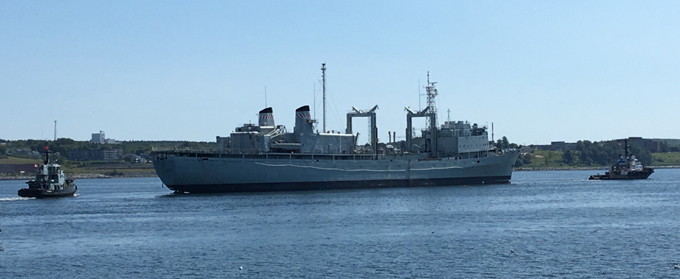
267,157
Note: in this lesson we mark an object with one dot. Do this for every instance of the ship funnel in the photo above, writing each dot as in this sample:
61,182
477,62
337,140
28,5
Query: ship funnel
267,117
303,121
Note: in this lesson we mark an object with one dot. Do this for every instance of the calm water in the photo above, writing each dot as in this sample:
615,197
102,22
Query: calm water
558,223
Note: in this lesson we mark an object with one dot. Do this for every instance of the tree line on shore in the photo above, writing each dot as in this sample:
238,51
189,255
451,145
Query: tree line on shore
63,146
587,154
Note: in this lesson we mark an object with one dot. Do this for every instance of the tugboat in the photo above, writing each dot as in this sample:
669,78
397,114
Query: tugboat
49,182
625,168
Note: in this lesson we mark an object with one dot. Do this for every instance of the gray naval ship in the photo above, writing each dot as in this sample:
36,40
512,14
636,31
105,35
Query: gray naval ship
266,157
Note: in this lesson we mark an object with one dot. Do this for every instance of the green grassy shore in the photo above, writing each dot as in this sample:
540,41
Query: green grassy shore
554,160
78,170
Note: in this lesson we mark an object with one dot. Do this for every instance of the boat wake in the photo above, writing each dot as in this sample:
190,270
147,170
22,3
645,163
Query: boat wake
15,199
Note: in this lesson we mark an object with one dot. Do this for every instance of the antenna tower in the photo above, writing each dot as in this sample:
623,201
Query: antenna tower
323,78
431,94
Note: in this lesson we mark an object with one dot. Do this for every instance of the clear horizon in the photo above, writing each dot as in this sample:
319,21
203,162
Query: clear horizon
191,71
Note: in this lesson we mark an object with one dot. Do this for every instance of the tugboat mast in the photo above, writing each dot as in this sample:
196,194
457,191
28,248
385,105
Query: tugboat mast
323,78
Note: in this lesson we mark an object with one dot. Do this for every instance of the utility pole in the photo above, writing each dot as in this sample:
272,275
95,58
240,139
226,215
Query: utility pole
55,130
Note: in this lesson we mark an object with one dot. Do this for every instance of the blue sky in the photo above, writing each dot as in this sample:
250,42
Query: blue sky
540,71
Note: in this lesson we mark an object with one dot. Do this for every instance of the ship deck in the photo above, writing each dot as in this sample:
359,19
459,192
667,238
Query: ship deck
291,156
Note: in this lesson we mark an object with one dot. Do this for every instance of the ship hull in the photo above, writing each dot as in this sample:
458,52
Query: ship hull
200,173
644,174
334,185
41,193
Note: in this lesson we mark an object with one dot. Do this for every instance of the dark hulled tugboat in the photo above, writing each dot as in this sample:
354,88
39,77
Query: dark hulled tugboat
49,182
625,168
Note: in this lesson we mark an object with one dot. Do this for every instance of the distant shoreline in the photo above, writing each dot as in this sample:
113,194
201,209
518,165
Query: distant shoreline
581,168
81,176
153,174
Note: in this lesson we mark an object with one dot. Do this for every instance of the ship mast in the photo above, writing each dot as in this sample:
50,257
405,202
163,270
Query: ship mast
323,78
431,94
